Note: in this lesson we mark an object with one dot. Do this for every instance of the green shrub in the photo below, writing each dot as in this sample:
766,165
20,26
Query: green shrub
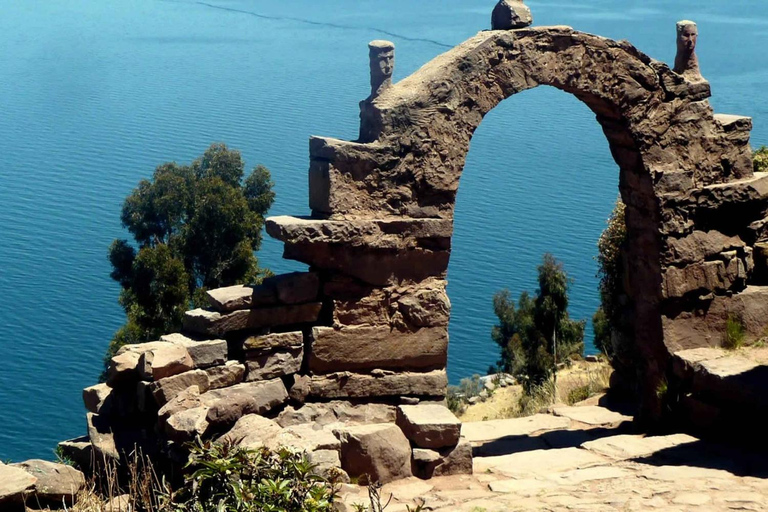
734,334
760,159
223,477
578,394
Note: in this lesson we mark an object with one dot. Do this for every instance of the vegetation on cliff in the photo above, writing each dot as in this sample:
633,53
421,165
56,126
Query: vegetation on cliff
537,332
195,227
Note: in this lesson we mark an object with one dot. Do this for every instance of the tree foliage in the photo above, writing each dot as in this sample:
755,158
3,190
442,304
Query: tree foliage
760,159
531,332
195,227
608,319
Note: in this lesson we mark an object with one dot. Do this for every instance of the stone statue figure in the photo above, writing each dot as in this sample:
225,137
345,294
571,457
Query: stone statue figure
686,62
382,57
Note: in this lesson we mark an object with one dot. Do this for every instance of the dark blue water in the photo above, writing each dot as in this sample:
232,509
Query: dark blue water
93,95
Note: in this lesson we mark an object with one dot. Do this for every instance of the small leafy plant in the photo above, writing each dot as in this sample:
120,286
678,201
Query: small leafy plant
733,337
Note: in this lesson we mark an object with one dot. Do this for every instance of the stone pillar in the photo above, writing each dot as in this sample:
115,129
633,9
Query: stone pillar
686,61
382,60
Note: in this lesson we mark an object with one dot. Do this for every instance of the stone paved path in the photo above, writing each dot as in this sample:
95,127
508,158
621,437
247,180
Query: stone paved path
585,459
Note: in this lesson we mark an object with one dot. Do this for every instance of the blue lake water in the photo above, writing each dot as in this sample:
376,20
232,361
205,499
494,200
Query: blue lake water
93,95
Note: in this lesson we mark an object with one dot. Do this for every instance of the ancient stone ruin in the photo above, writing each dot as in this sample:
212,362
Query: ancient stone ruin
347,360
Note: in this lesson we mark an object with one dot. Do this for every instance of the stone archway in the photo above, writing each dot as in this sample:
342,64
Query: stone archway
383,206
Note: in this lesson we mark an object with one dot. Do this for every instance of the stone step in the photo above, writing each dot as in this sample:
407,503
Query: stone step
734,123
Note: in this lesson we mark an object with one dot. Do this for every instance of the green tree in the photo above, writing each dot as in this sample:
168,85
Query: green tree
537,332
760,159
195,227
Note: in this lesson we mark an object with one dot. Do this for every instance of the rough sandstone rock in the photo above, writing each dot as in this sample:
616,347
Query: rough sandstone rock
274,364
186,425
56,483
700,245
232,298
306,437
95,396
204,353
13,483
429,425
326,413
189,398
226,375
164,362
79,450
452,460
268,342
102,439
228,405
510,14
251,431
357,385
166,389
381,452
363,347
211,323
296,287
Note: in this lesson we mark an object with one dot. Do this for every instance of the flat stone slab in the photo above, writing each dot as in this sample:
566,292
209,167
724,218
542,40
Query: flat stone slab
478,432
429,425
629,446
539,462
14,481
592,474
592,415
524,486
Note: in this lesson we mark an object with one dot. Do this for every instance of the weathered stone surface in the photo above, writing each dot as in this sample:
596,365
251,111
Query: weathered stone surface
225,375
429,425
592,415
277,341
629,446
186,399
123,369
102,439
232,298
539,462
306,437
14,482
228,405
380,451
492,430
360,348
326,413
510,14
704,277
215,324
357,385
166,389
452,460
55,482
95,396
185,425
274,364
699,246
164,362
326,462
207,353
78,450
300,388
251,431
296,287
705,327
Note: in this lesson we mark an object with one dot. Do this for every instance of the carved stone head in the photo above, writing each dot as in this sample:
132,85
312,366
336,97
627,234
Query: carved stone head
382,59
687,34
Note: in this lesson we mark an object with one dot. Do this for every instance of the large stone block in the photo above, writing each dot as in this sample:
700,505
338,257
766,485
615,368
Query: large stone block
186,425
704,277
510,14
453,460
700,245
56,483
379,384
360,348
251,431
212,323
164,362
204,353
429,425
296,287
274,364
227,405
380,452
95,396
225,375
270,342
166,389
13,483
233,298
337,411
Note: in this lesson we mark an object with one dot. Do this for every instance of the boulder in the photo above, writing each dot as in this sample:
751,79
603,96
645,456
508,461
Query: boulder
296,287
79,450
187,424
378,384
14,482
510,14
328,465
453,460
225,375
166,389
380,452
56,483
269,342
163,362
186,399
95,396
251,431
368,347
429,425
307,437
232,298
274,364
211,323
122,368
102,439
227,405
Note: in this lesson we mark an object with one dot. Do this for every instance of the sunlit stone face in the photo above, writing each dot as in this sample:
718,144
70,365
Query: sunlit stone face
686,38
